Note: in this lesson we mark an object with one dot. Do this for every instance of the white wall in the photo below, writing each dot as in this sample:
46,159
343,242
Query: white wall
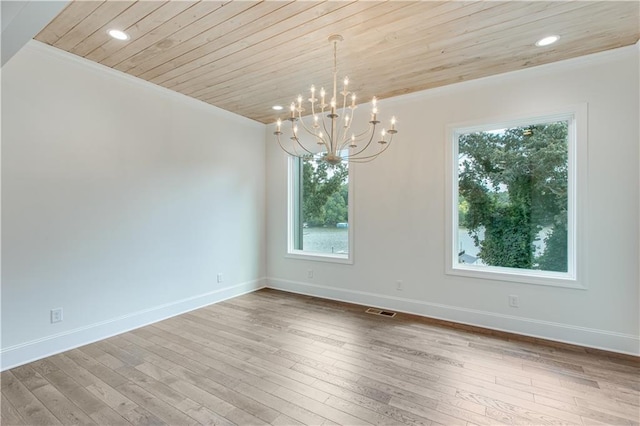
400,204
22,20
121,202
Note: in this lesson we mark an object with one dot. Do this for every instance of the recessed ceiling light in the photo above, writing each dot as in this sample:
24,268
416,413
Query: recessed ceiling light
545,41
119,35
277,107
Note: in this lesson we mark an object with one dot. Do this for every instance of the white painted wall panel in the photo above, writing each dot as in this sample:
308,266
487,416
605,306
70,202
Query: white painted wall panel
118,198
399,210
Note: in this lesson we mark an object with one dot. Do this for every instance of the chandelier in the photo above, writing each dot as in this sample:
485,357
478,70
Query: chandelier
330,125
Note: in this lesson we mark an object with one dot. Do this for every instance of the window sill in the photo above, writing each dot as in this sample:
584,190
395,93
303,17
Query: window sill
517,276
319,257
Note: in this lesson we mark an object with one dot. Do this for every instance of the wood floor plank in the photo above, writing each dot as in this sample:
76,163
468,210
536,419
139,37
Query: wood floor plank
157,388
202,414
28,406
193,392
9,414
156,406
599,415
61,406
99,411
284,420
342,398
418,390
334,415
277,358
96,368
288,408
224,389
140,416
112,398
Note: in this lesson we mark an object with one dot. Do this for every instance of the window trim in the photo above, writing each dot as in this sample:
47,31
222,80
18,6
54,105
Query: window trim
292,253
577,180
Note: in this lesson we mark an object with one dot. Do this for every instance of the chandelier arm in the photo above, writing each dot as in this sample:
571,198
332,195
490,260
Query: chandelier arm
284,149
359,161
345,129
295,137
373,132
372,156
304,126
366,159
346,140
356,138
370,131
324,126
346,143
362,136
326,144
295,148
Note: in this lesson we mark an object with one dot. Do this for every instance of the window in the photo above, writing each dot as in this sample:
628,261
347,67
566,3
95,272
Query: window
319,210
512,211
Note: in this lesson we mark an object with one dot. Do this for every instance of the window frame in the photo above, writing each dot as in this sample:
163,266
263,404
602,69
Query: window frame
294,173
576,215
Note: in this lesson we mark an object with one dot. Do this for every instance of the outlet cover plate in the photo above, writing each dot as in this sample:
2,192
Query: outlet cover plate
56,315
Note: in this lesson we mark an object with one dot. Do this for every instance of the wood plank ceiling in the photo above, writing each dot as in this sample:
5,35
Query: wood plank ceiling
246,56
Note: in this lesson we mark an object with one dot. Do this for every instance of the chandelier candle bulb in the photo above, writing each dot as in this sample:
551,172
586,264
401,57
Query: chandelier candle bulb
313,99
353,101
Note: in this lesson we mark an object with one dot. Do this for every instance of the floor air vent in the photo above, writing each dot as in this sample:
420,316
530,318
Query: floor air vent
375,311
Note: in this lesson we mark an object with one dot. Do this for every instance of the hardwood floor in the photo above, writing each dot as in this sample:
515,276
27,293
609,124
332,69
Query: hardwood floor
277,358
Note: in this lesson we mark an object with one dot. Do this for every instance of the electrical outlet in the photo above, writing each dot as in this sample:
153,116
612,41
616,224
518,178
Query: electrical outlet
399,285
310,273
56,315
220,278
514,301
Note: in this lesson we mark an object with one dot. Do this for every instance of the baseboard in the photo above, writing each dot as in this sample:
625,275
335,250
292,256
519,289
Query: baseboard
587,337
23,353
